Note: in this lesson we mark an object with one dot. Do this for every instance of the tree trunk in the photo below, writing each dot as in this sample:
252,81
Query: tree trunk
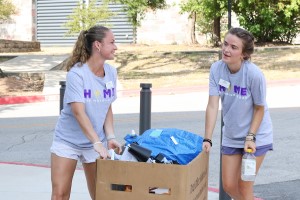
134,35
217,31
135,24
193,28
217,25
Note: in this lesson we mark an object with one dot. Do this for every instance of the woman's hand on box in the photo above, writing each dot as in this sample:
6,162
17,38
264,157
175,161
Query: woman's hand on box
114,144
98,146
206,147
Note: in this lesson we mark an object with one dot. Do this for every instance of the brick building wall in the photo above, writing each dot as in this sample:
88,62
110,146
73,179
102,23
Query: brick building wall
7,46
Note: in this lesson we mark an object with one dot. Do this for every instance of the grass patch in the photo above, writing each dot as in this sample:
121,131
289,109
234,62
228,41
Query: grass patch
189,68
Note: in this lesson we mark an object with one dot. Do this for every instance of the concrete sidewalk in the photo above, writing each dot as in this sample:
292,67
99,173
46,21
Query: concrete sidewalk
26,181
33,182
30,182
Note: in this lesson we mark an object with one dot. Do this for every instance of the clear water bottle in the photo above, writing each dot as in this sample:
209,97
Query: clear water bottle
248,166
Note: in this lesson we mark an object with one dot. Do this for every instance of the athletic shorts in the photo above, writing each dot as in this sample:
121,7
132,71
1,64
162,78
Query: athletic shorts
65,151
261,150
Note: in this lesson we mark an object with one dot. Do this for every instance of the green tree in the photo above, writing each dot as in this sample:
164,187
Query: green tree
7,8
269,20
192,7
207,15
136,10
85,16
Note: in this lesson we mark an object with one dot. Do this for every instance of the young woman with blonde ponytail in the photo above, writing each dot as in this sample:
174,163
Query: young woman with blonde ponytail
84,130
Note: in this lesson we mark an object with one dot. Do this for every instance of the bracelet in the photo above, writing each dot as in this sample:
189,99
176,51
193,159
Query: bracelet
208,140
251,134
110,137
99,142
250,139
253,139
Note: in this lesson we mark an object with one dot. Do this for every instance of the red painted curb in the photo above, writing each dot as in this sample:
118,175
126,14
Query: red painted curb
283,82
25,164
135,92
28,99
31,165
21,99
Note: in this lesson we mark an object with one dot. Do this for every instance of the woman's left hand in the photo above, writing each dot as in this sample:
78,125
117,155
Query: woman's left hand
113,144
250,145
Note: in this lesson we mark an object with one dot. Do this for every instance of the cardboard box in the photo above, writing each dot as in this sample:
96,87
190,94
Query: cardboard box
184,182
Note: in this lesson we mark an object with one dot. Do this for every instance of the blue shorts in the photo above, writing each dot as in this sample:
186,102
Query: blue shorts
261,150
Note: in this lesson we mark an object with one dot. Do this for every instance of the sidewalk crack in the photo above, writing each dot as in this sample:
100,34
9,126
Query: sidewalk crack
28,138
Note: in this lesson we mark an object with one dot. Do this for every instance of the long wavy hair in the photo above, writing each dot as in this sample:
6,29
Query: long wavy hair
84,45
247,39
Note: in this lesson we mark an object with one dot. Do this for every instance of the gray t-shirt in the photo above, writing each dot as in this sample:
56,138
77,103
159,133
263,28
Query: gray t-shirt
239,92
96,93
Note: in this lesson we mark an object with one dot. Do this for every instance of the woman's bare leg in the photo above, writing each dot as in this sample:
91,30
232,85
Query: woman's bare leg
231,173
90,174
62,171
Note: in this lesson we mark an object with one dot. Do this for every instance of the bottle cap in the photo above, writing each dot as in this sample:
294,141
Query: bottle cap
133,133
249,151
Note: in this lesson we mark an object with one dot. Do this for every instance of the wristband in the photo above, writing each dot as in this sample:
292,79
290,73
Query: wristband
99,142
208,140
249,139
110,137
253,139
251,134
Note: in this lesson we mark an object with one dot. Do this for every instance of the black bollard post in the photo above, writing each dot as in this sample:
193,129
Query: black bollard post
145,107
61,94
222,194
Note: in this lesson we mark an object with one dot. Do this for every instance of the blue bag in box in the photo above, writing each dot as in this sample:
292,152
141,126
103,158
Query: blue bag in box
175,144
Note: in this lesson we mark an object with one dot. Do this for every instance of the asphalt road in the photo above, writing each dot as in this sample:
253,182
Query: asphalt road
28,139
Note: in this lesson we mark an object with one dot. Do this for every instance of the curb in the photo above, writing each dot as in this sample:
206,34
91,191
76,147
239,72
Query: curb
28,99
134,92
21,99
121,93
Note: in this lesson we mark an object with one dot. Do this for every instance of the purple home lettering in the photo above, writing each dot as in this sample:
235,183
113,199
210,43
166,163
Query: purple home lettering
244,92
237,89
222,88
106,92
87,93
240,90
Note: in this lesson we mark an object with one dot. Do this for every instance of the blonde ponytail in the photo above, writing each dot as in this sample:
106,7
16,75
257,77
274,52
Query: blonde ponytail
79,53
84,46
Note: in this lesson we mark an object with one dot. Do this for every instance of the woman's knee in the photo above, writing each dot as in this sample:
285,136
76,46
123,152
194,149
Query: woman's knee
230,188
60,194
60,191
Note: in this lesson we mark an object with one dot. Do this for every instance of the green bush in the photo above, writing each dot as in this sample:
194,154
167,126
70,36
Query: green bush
85,16
269,20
